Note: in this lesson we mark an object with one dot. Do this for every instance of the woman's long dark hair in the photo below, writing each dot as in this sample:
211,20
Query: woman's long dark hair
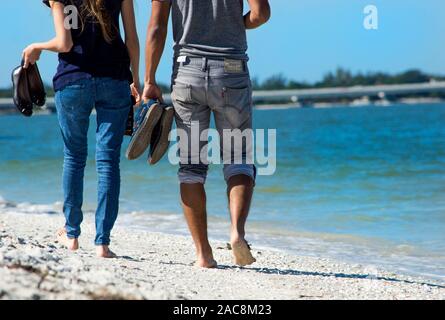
96,9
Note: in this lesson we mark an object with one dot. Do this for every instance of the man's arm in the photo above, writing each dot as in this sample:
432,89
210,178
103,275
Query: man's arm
156,36
258,15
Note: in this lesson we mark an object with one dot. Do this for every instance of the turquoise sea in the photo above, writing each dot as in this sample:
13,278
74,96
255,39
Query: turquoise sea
365,184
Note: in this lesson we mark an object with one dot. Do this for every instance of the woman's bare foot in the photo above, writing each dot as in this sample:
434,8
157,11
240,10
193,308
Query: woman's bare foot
62,238
241,253
104,251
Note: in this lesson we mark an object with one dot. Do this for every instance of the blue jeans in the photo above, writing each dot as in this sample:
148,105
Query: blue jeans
74,103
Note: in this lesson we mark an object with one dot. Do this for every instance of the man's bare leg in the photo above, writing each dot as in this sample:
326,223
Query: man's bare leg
239,193
193,199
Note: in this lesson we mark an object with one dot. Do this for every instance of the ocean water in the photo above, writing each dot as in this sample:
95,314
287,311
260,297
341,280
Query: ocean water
366,185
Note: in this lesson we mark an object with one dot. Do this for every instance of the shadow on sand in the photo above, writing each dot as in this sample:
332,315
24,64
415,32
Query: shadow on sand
291,272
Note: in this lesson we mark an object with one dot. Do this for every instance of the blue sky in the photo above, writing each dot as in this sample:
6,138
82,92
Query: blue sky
304,40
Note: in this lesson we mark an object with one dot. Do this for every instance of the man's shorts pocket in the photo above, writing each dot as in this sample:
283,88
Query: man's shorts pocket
182,102
182,93
238,106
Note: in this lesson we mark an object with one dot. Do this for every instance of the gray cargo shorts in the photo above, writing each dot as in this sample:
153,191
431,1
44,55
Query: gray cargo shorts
201,86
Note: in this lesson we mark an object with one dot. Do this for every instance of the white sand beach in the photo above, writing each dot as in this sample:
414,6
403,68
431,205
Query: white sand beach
160,266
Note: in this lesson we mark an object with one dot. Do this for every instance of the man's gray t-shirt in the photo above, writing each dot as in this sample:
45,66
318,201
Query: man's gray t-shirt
209,28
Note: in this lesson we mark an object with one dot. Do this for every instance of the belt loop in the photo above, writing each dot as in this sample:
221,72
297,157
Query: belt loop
184,61
181,60
204,64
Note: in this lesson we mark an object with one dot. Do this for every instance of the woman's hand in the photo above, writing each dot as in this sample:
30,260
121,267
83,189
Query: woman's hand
136,92
31,54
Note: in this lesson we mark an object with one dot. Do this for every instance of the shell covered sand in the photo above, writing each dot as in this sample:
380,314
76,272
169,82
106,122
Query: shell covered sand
159,266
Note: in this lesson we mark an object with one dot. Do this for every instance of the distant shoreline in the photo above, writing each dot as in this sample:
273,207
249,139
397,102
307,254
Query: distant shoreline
323,105
353,96
7,107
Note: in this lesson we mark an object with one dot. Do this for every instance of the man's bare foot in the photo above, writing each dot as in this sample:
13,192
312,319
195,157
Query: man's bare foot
208,263
241,253
62,238
205,258
104,251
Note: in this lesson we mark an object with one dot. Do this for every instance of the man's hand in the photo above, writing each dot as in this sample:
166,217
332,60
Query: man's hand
31,55
152,91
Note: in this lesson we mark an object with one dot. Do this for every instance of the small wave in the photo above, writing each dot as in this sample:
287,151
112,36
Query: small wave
25,207
39,208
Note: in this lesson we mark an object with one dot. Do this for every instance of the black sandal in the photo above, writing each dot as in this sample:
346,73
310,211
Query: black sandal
35,85
28,88
22,98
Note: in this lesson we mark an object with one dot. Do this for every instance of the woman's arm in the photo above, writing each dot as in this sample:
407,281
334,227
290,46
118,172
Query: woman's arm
132,43
62,42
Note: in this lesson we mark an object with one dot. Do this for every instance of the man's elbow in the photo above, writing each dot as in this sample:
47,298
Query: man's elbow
157,31
262,16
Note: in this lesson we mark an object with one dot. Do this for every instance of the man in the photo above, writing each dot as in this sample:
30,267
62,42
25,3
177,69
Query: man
210,74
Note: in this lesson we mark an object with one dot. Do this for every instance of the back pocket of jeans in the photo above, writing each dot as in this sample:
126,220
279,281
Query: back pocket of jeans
238,105
71,97
182,93
182,102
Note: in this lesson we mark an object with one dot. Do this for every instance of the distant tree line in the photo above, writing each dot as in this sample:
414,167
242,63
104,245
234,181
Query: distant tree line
7,93
339,78
344,78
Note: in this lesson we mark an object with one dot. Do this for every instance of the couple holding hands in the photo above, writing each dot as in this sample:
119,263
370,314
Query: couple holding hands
99,69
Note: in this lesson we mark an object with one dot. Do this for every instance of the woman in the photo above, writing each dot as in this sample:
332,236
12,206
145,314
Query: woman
93,72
